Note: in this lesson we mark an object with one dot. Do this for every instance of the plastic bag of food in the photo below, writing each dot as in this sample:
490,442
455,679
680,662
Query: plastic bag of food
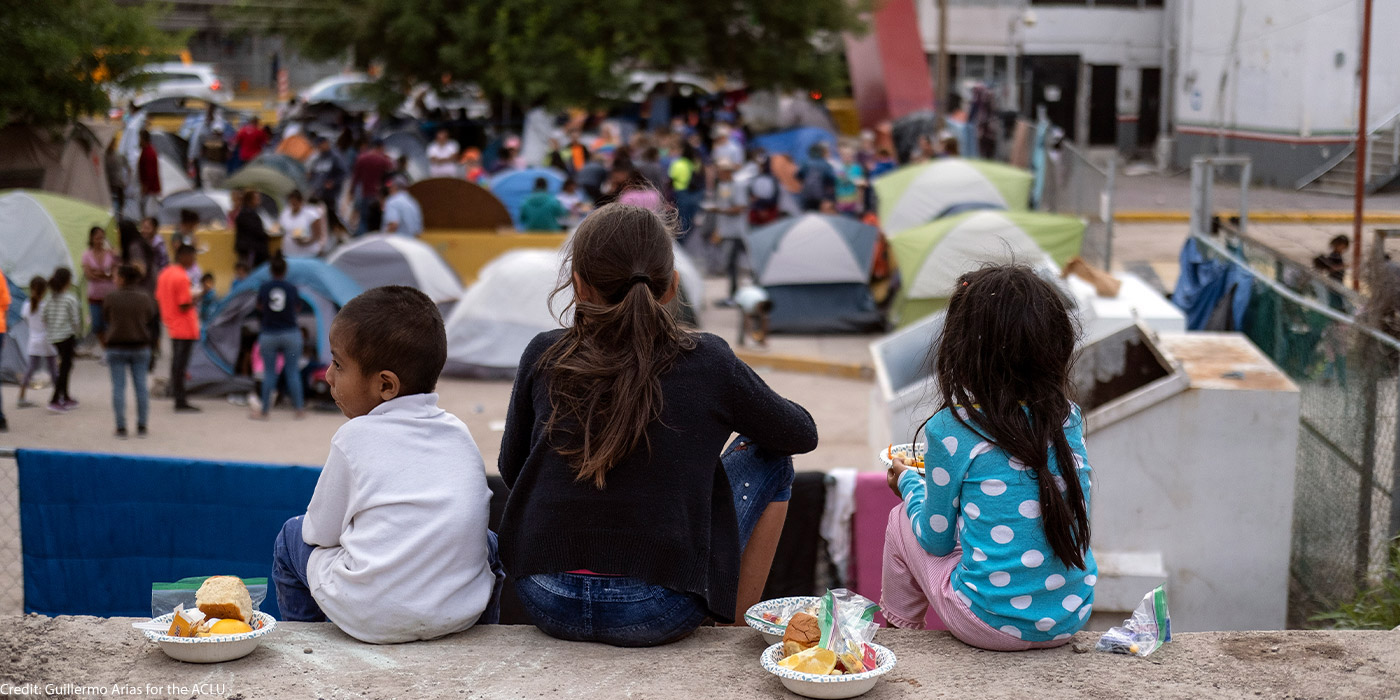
1147,630
166,596
781,615
848,626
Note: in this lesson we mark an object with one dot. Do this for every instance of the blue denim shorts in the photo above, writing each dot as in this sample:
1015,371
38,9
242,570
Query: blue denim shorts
629,612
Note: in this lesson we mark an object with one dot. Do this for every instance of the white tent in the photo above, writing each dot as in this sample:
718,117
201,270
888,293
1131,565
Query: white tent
383,258
30,242
499,314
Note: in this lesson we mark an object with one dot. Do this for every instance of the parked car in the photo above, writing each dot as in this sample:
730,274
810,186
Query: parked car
169,80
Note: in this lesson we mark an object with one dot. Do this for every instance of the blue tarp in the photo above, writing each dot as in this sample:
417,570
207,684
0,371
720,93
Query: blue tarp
513,186
794,143
1203,281
99,529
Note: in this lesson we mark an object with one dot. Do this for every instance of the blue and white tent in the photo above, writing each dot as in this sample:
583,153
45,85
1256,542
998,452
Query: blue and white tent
816,270
323,289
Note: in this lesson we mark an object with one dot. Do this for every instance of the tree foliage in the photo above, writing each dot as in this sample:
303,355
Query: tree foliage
60,54
572,51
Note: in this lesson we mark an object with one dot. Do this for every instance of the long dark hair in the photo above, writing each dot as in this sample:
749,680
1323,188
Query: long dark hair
37,286
1007,347
62,277
604,374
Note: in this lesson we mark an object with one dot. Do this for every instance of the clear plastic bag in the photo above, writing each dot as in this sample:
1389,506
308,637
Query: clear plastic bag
848,626
165,596
1145,632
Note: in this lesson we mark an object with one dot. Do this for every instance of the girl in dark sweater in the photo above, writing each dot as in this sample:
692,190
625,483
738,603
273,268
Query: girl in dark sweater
629,522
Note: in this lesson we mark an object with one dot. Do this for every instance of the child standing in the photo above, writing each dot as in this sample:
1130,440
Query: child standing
996,535
40,350
394,545
63,322
129,312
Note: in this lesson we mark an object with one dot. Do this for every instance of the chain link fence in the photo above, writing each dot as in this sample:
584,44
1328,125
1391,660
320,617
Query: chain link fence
1081,184
1343,513
11,562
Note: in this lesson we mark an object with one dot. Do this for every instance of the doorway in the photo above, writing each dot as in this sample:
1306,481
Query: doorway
1149,107
1103,105
1054,84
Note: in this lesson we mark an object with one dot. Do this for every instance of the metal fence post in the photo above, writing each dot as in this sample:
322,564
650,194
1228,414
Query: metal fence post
1110,213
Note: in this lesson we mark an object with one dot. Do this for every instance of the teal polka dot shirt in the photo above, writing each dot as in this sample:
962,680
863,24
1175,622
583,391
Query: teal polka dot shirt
973,496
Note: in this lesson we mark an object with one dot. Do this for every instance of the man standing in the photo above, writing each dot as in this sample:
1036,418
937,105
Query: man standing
366,180
402,215
250,140
818,179
128,313
327,177
181,321
197,161
442,155
731,209
148,174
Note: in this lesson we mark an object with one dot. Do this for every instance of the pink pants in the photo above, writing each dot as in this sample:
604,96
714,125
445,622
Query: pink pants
912,579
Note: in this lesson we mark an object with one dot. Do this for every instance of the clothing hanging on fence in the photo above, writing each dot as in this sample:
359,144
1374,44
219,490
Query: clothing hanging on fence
1203,282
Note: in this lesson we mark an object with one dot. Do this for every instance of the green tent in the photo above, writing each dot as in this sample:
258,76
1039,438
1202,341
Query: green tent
263,178
932,257
917,194
42,231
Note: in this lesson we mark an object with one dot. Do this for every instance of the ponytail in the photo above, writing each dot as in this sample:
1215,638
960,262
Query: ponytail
37,286
604,374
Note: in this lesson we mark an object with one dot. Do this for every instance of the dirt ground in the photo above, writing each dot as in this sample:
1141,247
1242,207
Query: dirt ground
305,660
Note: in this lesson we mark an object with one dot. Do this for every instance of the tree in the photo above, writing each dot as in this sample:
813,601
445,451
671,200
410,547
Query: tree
572,51
61,54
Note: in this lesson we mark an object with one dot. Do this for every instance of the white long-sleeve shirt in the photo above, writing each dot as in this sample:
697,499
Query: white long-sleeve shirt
398,520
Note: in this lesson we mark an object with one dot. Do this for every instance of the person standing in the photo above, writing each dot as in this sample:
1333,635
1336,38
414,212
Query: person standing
177,311
541,211
128,313
64,324
442,156
99,268
731,211
402,215
327,179
764,191
278,305
40,350
148,174
818,180
138,246
688,180
118,177
250,239
303,230
213,156
250,140
724,147
366,181
650,167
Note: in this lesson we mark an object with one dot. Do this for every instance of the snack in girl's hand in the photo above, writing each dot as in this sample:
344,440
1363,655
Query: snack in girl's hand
226,598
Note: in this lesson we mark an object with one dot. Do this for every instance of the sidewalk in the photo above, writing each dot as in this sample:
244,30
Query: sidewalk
309,660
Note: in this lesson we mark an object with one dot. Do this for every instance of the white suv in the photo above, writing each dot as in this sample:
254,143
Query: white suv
160,80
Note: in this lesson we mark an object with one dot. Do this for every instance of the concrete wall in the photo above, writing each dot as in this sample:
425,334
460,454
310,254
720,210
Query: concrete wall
1205,478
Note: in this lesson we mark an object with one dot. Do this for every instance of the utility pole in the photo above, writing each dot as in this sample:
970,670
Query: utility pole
941,87
1362,167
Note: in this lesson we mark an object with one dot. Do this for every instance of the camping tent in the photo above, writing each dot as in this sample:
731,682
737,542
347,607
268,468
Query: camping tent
68,162
499,314
454,203
932,257
169,145
285,164
917,194
382,259
513,186
412,146
211,205
816,270
323,290
795,143
265,179
40,232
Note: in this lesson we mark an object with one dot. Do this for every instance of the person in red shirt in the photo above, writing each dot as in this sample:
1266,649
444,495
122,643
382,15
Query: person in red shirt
250,140
148,174
177,311
367,184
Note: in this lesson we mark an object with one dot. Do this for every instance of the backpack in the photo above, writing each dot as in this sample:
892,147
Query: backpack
814,182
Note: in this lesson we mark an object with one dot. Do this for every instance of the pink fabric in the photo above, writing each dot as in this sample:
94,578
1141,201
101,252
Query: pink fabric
913,581
868,524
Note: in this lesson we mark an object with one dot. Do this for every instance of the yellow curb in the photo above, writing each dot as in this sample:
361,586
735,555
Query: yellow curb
807,365
1261,217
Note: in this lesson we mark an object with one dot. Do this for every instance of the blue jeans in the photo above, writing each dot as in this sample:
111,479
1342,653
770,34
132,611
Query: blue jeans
288,344
368,207
687,207
99,324
291,554
137,361
629,612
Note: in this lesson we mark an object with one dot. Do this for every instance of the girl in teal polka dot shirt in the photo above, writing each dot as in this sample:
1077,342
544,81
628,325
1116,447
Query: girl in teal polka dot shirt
994,536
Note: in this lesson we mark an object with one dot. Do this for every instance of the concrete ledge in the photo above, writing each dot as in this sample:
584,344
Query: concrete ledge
1259,217
304,660
808,365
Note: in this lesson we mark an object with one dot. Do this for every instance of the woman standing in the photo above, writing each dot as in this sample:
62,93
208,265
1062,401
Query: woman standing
64,323
99,268
40,350
249,237
303,229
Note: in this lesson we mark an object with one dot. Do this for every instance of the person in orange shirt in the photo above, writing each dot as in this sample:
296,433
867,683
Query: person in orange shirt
181,319
4,309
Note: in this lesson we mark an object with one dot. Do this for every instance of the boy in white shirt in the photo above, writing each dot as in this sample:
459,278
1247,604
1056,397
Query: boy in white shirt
394,545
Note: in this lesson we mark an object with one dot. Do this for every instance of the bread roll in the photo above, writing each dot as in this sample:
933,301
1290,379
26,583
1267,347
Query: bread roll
804,630
225,597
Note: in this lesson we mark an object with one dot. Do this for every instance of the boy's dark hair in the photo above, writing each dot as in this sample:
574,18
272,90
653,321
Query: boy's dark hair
1340,240
541,184
60,280
278,265
185,249
188,216
207,277
1003,367
241,267
398,329
131,274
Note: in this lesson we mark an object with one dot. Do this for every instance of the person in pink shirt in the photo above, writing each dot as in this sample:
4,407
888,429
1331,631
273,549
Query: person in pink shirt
99,268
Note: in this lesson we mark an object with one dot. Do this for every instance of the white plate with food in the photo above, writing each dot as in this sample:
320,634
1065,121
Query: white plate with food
770,617
828,686
215,647
914,451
